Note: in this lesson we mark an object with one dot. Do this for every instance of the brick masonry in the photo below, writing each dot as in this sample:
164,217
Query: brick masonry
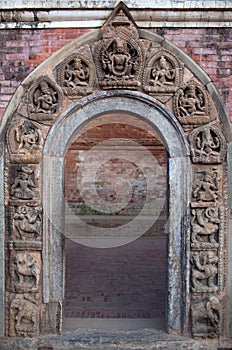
22,50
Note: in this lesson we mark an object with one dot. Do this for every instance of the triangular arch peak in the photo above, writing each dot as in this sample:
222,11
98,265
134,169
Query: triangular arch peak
118,68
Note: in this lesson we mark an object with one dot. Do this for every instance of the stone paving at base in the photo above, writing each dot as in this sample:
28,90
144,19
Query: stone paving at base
85,339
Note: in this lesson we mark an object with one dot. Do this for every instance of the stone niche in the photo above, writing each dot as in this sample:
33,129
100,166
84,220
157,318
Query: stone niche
117,68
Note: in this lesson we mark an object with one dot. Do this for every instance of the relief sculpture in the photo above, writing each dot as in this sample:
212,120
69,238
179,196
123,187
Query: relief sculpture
207,145
205,224
24,312
204,271
162,75
27,223
44,100
206,187
25,273
191,105
206,317
25,142
75,76
24,186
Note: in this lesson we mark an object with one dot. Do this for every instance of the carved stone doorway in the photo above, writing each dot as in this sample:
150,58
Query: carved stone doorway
125,284
118,69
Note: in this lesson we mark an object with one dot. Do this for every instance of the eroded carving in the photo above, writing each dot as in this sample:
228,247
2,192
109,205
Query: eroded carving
24,315
207,145
25,141
204,271
27,223
207,187
205,227
24,186
75,76
191,105
163,75
206,317
44,100
25,273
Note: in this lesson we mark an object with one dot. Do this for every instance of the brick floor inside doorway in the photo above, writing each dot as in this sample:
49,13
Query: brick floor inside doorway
127,282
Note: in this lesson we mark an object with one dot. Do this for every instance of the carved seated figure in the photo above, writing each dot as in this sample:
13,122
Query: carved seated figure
23,186
162,74
27,223
76,74
191,102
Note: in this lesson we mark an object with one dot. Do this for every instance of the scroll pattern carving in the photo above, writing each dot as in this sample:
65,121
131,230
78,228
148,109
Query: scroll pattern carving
120,58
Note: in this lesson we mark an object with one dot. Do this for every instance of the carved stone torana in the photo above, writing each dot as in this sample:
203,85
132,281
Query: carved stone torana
119,58
206,317
25,273
24,315
207,145
205,225
191,105
25,142
204,271
162,75
44,100
24,184
27,223
207,186
76,76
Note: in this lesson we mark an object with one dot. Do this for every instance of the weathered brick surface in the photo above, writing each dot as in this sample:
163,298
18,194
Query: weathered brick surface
23,50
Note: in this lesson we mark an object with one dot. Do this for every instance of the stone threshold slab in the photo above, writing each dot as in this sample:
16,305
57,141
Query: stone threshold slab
86,339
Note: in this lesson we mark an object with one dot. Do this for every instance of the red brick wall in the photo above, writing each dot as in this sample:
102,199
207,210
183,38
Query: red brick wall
23,50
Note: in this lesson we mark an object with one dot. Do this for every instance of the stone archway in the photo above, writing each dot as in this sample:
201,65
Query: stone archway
118,68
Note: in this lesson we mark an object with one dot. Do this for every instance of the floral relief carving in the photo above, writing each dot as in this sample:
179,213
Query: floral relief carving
24,315
204,271
76,76
207,145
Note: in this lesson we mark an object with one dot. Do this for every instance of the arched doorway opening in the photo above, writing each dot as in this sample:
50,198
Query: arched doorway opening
122,160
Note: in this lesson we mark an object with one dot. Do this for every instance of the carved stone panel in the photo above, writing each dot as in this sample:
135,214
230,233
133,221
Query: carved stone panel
206,317
23,185
76,76
207,186
163,75
207,145
24,315
26,223
191,105
44,100
25,272
25,142
206,227
205,271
